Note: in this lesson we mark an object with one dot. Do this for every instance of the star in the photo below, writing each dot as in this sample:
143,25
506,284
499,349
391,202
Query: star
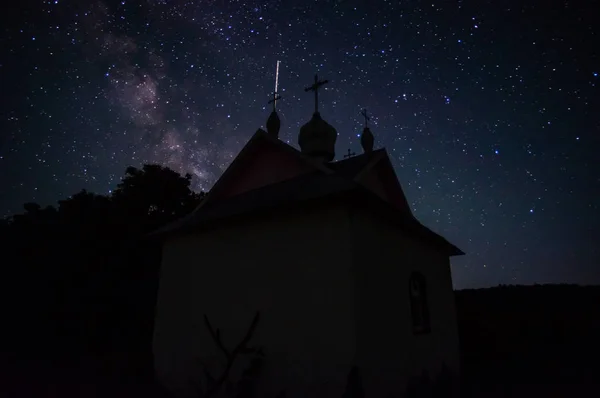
90,90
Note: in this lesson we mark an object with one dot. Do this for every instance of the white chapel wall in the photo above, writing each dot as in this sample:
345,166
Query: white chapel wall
294,268
388,351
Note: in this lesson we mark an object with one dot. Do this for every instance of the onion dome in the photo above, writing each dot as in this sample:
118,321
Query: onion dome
367,140
273,124
317,139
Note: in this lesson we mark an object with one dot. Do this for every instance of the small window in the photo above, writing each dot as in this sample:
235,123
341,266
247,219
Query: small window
417,290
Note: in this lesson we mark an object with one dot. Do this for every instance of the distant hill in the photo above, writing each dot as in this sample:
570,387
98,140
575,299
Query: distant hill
516,341
513,336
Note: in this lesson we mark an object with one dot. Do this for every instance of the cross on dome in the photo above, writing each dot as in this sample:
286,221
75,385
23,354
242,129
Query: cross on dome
315,87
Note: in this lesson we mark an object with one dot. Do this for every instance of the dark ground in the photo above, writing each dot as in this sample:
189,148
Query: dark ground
530,341
516,342
78,289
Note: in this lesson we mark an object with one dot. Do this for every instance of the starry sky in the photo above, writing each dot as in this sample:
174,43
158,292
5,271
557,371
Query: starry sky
488,109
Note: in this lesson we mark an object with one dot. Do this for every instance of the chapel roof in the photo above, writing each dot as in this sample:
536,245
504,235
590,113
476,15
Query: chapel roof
299,189
351,167
310,187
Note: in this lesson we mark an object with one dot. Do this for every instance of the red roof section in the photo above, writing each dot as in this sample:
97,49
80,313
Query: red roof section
268,173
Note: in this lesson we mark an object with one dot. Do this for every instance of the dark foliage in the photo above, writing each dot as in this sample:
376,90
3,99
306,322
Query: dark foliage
79,286
79,280
523,341
213,385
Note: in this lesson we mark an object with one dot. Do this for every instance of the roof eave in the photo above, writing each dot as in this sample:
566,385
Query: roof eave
392,213
169,232
259,135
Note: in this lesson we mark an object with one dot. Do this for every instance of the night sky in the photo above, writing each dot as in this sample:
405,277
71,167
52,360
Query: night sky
488,111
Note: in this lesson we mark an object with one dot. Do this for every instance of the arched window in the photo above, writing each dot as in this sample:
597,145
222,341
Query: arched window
417,291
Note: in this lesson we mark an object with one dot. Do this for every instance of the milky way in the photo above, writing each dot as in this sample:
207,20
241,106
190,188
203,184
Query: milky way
489,112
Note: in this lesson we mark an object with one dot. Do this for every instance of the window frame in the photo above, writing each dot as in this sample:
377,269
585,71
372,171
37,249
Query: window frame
419,307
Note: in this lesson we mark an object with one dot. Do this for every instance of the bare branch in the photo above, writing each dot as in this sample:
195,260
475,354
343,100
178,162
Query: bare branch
240,348
242,345
216,336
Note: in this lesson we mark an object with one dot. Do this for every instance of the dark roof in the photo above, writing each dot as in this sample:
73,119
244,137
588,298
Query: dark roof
260,137
352,166
308,186
315,185
410,224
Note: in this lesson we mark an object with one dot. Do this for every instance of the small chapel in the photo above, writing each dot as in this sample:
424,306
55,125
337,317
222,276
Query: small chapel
301,276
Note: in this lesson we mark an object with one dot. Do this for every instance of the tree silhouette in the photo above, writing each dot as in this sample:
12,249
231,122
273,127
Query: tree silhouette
82,273
154,195
79,281
85,208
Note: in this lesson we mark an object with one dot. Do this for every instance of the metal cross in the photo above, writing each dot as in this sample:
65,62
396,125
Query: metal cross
315,88
276,97
367,118
349,155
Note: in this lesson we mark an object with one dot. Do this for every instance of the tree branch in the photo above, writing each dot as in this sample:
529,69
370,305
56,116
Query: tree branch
231,356
216,336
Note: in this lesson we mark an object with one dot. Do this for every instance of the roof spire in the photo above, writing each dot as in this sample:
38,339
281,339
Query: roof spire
367,118
317,137
349,155
315,88
276,97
